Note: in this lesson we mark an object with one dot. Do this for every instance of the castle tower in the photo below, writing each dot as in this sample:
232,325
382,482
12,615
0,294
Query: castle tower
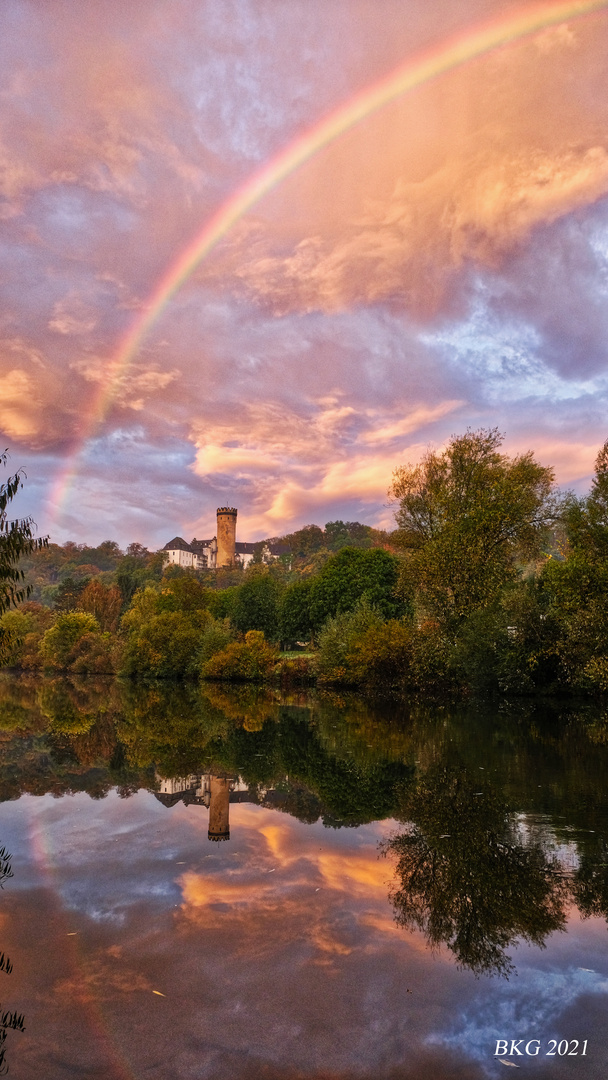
219,808
226,535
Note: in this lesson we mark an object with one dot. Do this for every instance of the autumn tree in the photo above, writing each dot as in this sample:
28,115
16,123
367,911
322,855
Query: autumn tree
103,603
466,517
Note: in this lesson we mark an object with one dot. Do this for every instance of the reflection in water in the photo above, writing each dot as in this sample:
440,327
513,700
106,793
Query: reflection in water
204,789
468,876
9,1020
471,870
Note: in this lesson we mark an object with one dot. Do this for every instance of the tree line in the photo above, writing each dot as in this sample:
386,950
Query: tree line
492,581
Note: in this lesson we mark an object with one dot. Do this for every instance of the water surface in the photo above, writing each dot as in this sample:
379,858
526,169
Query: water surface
387,891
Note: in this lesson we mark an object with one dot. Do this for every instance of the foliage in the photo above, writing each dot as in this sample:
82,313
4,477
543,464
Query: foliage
256,603
294,611
466,516
351,575
103,602
586,520
24,628
514,646
338,641
466,878
164,645
60,639
578,592
66,714
250,660
222,602
68,593
304,541
340,534
16,540
215,637
359,648
185,594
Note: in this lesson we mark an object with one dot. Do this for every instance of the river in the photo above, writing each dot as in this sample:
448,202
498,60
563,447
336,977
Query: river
247,884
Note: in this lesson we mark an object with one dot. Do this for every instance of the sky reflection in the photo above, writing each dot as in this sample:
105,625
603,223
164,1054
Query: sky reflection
276,954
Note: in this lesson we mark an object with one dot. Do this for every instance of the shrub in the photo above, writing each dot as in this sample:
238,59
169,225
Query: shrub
338,640
297,671
382,657
359,648
251,660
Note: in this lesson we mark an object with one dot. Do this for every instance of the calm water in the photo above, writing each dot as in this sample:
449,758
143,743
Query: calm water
255,885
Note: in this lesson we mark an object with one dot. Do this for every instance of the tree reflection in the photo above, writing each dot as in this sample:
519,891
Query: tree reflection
590,882
467,877
9,1020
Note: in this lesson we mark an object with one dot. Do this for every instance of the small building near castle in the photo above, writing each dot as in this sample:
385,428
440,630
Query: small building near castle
222,550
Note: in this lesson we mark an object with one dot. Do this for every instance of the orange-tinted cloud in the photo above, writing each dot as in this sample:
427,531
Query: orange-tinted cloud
441,265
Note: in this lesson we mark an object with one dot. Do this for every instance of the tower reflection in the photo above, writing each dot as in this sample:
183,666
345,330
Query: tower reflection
204,789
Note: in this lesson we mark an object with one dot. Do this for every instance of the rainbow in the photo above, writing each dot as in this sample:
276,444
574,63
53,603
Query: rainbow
91,1009
415,72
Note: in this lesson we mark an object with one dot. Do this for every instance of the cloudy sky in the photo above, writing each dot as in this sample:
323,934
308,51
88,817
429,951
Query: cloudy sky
274,956
442,264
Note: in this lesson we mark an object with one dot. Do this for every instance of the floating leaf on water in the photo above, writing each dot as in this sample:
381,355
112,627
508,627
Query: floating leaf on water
159,993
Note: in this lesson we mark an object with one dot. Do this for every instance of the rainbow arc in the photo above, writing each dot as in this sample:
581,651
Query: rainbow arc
415,72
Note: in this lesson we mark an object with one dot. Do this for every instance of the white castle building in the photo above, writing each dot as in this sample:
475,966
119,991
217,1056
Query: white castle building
222,550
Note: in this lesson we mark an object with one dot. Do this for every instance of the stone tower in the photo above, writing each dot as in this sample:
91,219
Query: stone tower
226,535
219,808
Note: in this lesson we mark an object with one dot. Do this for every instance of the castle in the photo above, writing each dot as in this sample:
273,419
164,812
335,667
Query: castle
222,550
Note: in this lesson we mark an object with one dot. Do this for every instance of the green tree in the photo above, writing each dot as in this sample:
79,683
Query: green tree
466,517
586,519
305,541
67,596
25,628
256,603
185,594
340,534
351,575
294,611
16,540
